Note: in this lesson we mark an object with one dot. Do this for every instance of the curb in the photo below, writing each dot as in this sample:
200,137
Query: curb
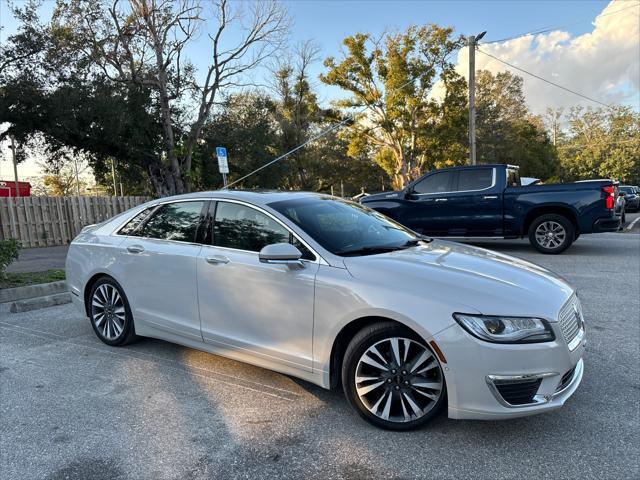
32,291
40,302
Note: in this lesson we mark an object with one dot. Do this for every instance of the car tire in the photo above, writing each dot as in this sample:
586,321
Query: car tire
110,313
392,378
551,233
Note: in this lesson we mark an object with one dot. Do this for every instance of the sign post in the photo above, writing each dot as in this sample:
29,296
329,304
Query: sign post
223,165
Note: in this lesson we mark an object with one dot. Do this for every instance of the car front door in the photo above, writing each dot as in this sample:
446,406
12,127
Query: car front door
249,307
474,206
159,265
425,208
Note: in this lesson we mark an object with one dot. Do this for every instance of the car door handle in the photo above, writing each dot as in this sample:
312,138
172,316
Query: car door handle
441,199
135,249
489,197
217,260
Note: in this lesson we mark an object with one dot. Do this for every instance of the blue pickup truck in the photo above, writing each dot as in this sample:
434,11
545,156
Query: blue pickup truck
489,201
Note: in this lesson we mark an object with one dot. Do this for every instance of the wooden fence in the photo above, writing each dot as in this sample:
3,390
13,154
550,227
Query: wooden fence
47,221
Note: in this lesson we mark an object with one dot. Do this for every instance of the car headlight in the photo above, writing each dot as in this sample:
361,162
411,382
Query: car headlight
506,329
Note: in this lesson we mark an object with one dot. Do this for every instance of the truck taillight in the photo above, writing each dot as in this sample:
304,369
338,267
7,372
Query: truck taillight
609,200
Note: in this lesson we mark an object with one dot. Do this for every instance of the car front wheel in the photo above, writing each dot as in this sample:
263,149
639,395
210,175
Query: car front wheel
110,313
392,378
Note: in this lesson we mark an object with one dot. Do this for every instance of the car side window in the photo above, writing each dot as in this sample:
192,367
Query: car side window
174,221
131,227
475,179
434,183
245,228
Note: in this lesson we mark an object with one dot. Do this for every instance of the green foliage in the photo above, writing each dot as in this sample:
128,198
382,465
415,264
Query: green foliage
601,143
505,130
21,279
391,79
9,250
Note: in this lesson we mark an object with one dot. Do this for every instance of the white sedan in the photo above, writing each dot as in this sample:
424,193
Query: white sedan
336,294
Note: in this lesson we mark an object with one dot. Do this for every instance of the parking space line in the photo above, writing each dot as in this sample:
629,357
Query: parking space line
48,336
632,224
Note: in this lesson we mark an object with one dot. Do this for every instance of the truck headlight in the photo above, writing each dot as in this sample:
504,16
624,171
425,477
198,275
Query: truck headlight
506,329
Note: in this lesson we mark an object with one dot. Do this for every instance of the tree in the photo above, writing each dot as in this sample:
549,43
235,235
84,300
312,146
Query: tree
601,143
506,130
297,113
141,47
390,80
244,124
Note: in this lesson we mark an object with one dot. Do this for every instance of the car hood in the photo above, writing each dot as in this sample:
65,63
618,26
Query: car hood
488,281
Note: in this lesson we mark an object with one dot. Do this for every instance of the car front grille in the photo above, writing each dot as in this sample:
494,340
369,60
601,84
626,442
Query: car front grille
519,392
570,319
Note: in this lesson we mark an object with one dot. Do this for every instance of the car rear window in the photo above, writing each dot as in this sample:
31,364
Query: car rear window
174,221
132,225
475,179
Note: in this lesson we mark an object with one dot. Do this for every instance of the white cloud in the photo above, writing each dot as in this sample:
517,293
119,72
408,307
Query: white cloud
603,64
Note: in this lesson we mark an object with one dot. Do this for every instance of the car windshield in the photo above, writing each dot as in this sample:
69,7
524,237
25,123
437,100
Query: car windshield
627,189
346,228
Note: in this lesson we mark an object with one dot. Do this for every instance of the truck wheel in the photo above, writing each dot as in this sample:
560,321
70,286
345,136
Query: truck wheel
551,233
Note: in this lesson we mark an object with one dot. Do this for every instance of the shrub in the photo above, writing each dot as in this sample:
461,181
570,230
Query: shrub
8,253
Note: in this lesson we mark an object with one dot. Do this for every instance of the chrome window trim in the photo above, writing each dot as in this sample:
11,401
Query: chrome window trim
155,207
493,184
319,259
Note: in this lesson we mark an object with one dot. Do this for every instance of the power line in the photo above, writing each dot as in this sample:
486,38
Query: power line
556,27
319,135
545,80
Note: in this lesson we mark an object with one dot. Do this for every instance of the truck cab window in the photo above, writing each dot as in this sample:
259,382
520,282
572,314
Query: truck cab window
435,183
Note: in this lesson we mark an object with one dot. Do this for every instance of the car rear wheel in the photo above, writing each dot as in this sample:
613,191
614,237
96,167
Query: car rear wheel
551,233
110,313
392,378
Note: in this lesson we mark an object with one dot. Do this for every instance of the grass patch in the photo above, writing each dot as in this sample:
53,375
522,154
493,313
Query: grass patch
31,278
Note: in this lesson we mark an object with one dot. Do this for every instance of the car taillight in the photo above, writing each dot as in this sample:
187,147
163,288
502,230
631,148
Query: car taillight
609,200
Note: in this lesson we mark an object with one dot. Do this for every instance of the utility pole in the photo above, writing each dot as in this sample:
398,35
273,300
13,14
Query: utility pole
472,96
15,166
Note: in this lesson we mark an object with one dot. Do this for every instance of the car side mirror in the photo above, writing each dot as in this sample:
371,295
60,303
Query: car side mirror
281,254
408,193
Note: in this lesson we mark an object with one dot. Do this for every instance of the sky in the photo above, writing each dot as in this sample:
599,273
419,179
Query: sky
591,47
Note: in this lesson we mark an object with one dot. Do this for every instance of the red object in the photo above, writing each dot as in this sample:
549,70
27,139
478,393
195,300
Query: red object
609,200
8,188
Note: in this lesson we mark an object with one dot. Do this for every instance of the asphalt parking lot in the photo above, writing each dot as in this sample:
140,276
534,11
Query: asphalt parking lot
72,407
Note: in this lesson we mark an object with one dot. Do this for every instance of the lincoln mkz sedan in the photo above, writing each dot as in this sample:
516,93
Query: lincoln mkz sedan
339,295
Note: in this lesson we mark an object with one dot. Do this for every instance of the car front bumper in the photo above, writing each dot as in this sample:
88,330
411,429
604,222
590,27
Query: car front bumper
474,367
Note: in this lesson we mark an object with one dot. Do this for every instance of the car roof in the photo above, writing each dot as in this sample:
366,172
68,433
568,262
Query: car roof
257,197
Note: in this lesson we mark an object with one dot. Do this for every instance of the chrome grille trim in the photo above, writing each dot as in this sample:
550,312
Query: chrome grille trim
571,321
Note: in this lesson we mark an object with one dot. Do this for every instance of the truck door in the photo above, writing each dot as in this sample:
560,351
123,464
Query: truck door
475,204
426,209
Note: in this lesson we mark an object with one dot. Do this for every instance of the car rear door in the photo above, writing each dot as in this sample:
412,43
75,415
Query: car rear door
249,307
474,206
159,264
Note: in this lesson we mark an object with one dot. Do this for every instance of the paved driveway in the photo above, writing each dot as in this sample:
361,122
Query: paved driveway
39,259
74,408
